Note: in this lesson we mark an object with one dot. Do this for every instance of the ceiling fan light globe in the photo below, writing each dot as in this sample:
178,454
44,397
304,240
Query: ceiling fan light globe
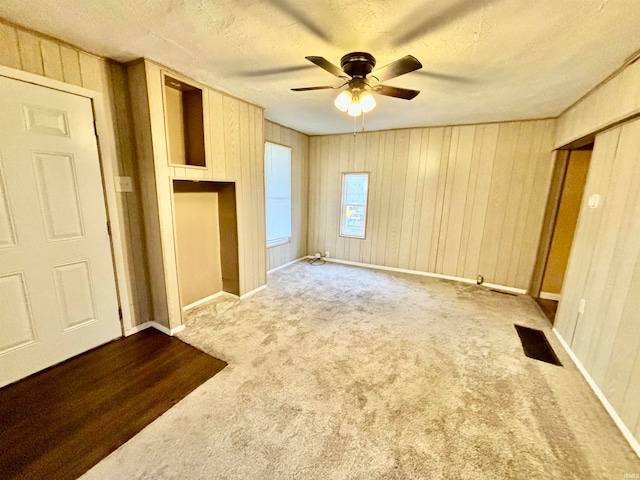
367,102
343,101
354,109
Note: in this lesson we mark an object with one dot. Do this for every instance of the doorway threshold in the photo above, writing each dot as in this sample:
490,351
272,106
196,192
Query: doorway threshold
548,307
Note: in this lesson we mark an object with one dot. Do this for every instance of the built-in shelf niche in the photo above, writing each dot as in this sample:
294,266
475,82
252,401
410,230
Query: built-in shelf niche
205,221
184,121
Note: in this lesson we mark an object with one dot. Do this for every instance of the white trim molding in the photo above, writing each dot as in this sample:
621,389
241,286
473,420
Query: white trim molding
277,242
633,442
502,288
550,296
157,326
209,298
202,300
252,292
287,264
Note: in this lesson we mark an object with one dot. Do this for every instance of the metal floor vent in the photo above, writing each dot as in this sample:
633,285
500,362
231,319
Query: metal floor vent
536,345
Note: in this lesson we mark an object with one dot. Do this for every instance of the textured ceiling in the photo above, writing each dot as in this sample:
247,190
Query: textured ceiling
484,60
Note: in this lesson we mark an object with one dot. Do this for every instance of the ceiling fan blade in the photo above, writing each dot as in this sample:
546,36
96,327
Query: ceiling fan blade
395,69
412,30
273,71
328,66
325,87
396,92
299,15
445,76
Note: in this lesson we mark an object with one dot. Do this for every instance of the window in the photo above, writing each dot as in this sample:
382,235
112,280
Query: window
353,216
277,187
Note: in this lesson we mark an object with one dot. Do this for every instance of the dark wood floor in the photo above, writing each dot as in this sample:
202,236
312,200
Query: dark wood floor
548,307
60,422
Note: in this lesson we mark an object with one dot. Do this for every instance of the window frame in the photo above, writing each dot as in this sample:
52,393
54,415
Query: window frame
280,240
344,205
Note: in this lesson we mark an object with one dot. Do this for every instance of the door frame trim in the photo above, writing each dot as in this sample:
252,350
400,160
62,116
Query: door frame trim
108,160
560,163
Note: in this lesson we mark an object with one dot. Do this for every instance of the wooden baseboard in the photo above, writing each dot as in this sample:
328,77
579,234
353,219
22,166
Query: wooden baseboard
287,264
550,296
252,292
633,442
202,300
151,324
502,288
211,297
136,329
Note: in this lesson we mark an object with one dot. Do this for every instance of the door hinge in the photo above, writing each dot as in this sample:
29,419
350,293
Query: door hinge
109,228
120,312
95,128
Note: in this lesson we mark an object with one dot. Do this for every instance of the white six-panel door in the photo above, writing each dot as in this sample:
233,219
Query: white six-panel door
57,284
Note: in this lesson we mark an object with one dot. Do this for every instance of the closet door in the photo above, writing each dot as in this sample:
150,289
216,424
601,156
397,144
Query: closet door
57,284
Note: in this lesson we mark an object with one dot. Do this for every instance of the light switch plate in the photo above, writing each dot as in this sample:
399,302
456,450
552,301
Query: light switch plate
594,200
123,184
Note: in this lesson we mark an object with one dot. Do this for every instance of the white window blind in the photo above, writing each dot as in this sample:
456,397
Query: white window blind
353,212
277,187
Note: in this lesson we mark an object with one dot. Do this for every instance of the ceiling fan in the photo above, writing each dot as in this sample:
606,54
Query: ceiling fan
358,73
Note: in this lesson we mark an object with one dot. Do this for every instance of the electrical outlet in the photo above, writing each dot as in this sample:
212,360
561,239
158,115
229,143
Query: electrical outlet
326,254
583,303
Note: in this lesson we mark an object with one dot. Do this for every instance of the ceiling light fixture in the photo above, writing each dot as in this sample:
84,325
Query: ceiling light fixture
355,101
343,100
358,73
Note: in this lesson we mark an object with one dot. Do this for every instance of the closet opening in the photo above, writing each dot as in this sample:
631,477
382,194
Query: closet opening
561,218
206,235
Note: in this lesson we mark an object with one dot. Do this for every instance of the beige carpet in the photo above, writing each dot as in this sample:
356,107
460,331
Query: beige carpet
338,372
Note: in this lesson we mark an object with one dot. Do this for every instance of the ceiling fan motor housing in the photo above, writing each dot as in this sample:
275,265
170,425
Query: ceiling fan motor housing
358,64
355,71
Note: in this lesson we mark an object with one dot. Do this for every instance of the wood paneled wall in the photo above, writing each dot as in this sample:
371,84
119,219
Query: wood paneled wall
24,50
604,264
237,153
604,269
299,143
460,201
612,102
234,144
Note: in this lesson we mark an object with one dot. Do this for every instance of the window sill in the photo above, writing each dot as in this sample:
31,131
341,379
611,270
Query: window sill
277,243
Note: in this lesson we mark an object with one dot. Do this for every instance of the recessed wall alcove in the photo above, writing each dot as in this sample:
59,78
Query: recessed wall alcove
206,235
